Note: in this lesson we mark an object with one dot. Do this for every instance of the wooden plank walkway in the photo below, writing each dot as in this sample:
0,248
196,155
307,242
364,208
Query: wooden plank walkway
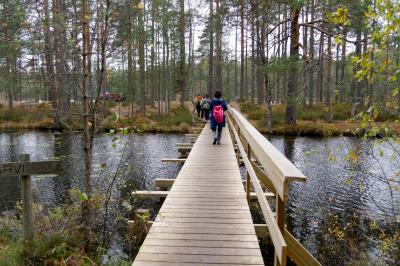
205,219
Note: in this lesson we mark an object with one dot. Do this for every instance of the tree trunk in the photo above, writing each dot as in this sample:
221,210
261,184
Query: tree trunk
153,55
211,52
306,63
278,73
311,60
268,91
9,55
320,88
253,63
190,79
246,71
343,69
76,57
242,84
355,84
336,99
86,211
328,69
236,40
182,67
218,45
59,48
386,92
260,74
290,115
51,81
284,56
103,73
141,60
131,87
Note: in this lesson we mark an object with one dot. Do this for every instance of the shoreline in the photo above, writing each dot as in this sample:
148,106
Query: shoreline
302,128
324,129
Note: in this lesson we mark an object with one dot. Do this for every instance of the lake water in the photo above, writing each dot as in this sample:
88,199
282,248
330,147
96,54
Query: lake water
341,189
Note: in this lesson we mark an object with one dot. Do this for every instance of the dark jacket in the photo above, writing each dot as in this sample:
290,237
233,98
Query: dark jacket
215,102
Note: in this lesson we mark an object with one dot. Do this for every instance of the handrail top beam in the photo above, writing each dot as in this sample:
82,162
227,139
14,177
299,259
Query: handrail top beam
286,170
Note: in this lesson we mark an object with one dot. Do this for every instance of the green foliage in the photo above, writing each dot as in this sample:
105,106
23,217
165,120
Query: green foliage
307,128
341,111
248,107
25,113
10,254
176,117
259,114
58,236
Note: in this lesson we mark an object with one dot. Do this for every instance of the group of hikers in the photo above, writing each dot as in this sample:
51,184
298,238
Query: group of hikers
214,110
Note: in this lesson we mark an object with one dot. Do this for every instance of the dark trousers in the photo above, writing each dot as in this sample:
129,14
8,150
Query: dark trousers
217,133
198,110
206,114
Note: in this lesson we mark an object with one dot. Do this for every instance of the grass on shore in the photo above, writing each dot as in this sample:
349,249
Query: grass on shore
26,117
39,117
314,120
311,121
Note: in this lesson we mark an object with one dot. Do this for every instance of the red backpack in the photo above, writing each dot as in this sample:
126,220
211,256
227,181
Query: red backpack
218,114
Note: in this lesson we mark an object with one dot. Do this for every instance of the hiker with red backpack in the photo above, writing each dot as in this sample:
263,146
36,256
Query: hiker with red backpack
217,119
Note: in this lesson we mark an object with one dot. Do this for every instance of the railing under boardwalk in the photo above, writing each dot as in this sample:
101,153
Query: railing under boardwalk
265,164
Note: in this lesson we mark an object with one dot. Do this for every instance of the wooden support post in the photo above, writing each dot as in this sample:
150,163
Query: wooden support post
248,175
173,160
280,220
27,215
238,152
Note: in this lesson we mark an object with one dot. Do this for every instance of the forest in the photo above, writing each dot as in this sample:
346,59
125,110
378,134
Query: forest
314,68
297,57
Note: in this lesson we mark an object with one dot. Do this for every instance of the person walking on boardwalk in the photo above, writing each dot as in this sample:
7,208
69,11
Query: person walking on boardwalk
205,107
197,103
217,120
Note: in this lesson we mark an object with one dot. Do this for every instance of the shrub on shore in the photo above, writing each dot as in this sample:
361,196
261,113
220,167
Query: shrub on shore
58,238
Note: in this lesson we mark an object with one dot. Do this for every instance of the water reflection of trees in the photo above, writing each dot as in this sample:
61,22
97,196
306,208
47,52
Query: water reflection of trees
10,191
334,213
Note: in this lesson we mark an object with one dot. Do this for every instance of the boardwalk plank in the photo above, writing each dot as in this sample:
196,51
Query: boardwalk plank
188,230
199,258
204,220
201,243
208,237
160,263
167,214
201,251
206,206
195,210
202,225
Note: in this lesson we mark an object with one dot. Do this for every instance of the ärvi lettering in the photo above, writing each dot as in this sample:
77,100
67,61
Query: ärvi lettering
12,169
28,168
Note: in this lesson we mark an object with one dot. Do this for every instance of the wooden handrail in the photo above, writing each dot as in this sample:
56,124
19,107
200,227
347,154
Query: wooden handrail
275,233
278,168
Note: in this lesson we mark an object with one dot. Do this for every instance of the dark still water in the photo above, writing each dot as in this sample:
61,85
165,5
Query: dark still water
137,157
348,194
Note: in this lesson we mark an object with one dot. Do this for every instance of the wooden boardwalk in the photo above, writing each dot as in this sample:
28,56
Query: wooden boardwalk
205,219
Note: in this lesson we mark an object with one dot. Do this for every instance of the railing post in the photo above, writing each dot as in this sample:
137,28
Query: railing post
238,152
248,176
27,215
280,220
